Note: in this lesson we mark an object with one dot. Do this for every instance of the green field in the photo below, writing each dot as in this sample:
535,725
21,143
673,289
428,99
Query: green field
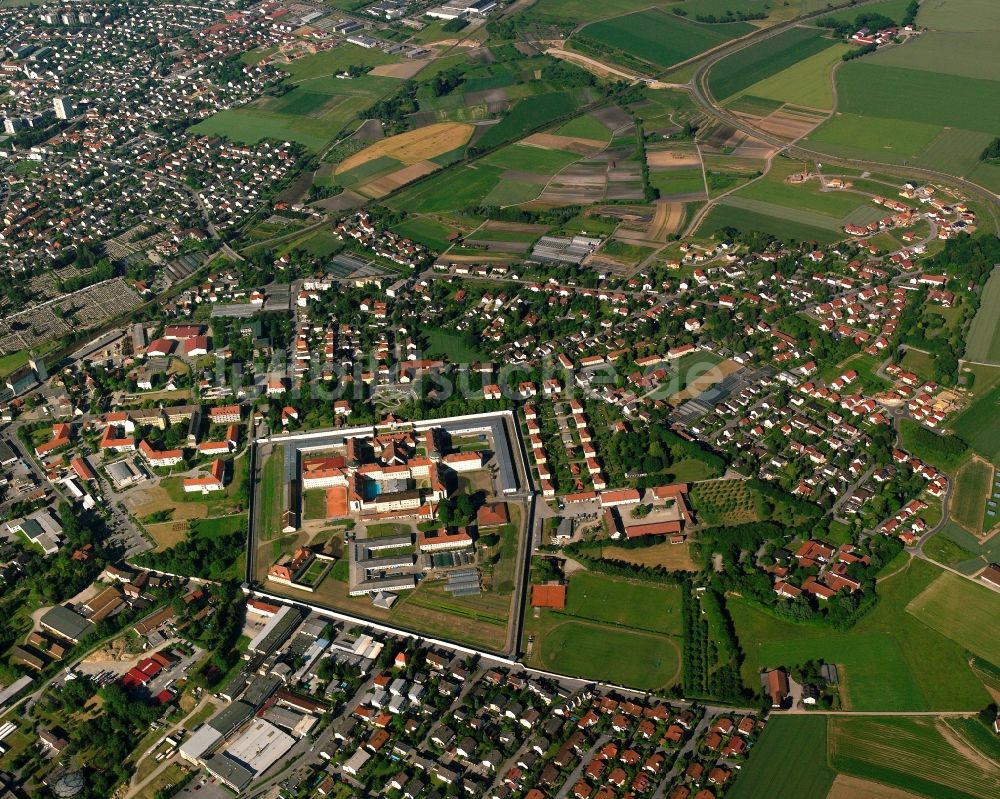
776,223
448,191
270,496
926,756
585,127
890,660
317,108
983,341
789,760
526,158
960,15
838,206
513,192
652,662
963,611
642,606
973,483
527,115
965,55
457,347
808,83
427,231
770,57
658,37
916,95
979,424
875,136
678,182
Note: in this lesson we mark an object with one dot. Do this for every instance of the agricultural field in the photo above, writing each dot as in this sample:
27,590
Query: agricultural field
808,83
672,557
741,70
789,760
929,670
527,115
687,183
765,219
449,191
979,424
312,117
934,102
427,230
973,486
926,756
962,611
654,38
983,340
960,15
371,171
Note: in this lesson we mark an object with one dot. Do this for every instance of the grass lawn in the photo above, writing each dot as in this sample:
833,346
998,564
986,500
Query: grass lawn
928,670
789,760
13,362
963,611
601,598
270,496
589,650
458,347
974,481
220,525
920,363
773,189
925,756
314,503
944,549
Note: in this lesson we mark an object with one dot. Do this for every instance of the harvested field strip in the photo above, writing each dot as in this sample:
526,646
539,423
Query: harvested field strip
923,755
412,146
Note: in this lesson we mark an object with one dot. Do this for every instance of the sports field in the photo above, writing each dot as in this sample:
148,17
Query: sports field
598,597
658,37
625,657
752,65
929,671
973,483
963,611
927,756
789,760
983,341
